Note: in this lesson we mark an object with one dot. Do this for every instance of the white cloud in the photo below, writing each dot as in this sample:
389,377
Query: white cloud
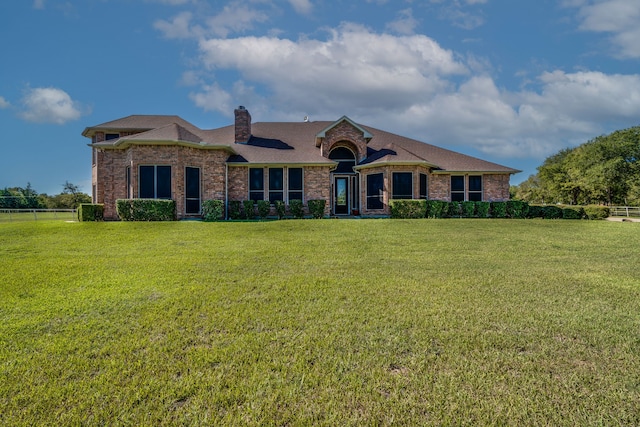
353,62
303,7
177,28
4,103
412,86
38,4
233,18
405,23
49,105
620,18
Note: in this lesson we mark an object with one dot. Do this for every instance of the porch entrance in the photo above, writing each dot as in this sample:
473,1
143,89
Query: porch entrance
345,195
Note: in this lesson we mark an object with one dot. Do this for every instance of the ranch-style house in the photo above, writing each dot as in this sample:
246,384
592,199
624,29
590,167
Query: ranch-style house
355,168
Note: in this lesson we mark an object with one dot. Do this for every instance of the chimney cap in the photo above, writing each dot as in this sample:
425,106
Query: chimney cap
241,107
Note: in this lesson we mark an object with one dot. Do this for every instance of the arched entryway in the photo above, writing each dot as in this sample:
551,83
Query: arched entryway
344,199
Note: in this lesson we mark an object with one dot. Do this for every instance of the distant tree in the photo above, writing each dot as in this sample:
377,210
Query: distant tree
20,198
604,170
71,197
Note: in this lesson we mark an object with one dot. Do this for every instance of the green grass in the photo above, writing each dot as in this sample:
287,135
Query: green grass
331,322
13,216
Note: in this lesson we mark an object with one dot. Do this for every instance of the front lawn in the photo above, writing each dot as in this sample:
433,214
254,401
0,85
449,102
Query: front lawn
330,322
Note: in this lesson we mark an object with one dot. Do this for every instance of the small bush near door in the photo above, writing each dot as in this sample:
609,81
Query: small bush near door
296,208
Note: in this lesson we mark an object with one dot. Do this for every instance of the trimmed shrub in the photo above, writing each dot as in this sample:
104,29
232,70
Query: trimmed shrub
573,212
498,209
263,208
234,209
296,208
596,212
517,209
90,212
212,210
280,208
316,208
551,212
406,209
535,211
482,209
436,208
146,209
453,209
468,209
249,212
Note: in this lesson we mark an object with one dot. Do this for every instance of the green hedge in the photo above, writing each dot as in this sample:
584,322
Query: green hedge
90,212
498,209
436,208
264,207
213,210
408,208
316,208
596,212
249,211
146,209
296,208
482,209
573,212
517,209
280,208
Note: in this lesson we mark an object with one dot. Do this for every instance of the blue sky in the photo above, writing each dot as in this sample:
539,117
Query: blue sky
508,81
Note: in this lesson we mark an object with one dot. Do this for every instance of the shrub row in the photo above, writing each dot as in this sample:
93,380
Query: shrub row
146,209
247,209
507,209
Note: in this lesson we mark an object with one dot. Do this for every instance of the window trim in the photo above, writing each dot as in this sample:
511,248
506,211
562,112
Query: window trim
423,190
275,192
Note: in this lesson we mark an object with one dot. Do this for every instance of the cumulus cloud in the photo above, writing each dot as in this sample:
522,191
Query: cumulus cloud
461,13
177,28
620,18
4,103
353,62
412,86
49,105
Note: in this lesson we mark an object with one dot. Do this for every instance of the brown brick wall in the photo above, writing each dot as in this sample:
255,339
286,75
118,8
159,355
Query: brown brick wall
439,186
496,187
344,131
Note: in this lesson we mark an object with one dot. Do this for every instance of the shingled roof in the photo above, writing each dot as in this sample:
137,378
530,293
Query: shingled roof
289,143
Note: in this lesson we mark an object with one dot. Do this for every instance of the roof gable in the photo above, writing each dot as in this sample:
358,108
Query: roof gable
323,133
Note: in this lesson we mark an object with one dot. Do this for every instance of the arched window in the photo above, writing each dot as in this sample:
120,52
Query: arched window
345,158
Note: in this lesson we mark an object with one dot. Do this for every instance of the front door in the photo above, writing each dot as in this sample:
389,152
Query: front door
341,196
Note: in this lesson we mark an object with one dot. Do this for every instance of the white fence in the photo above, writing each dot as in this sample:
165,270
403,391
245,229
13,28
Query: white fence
627,211
11,215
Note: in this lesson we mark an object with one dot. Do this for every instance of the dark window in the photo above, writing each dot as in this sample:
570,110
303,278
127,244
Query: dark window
345,158
192,190
402,185
457,188
475,188
375,185
256,184
110,136
155,182
423,186
276,184
295,184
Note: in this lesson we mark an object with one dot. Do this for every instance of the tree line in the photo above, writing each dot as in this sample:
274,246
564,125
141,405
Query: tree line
28,198
604,170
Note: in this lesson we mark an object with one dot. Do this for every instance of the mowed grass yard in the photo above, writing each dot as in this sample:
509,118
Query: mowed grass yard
320,322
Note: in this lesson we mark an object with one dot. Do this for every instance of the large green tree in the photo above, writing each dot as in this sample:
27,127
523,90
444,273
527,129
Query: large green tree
604,170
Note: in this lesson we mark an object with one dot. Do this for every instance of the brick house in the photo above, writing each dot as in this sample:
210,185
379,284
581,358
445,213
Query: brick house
357,169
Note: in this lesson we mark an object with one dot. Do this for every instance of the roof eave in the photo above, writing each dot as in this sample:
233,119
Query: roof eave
125,143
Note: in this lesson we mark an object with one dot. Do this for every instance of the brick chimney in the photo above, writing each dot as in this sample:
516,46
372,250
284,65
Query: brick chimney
243,125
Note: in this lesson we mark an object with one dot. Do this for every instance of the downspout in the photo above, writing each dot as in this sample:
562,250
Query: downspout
226,190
